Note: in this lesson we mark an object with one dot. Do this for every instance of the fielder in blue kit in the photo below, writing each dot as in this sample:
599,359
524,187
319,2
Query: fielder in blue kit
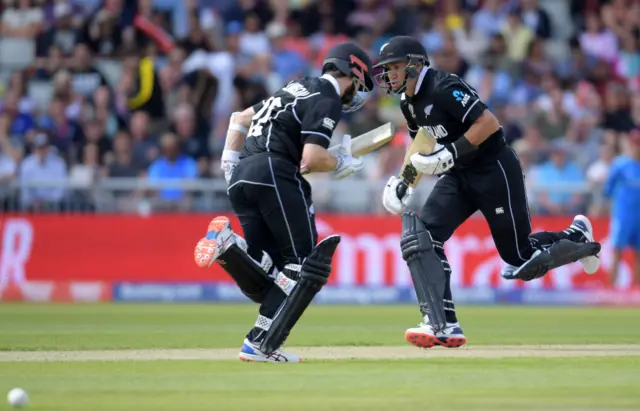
623,187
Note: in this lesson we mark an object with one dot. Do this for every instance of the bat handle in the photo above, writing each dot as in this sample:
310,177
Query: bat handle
401,189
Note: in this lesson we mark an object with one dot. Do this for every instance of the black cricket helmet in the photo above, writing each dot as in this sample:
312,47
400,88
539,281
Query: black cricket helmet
400,49
352,61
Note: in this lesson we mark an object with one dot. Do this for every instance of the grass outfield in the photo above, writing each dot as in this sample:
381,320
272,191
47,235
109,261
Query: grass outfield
586,373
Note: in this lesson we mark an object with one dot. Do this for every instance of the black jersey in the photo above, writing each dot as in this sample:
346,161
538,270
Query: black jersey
447,107
304,111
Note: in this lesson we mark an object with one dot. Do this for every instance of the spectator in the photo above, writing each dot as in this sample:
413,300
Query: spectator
142,88
199,89
43,165
103,36
517,35
172,165
184,127
617,115
253,41
536,62
286,64
536,18
553,120
48,65
61,34
144,145
597,174
489,19
20,122
94,135
121,161
24,21
598,41
493,86
85,78
560,170
471,42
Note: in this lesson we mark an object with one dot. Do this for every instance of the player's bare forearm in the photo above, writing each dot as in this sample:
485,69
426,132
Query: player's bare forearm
317,159
238,126
484,126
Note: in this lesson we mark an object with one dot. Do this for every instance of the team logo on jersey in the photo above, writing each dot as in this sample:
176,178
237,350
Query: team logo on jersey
427,110
329,123
412,111
461,97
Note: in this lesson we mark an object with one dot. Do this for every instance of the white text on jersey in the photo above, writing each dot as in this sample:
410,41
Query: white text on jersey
296,89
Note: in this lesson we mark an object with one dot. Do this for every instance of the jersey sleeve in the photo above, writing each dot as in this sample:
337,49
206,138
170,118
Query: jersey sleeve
460,101
411,124
319,120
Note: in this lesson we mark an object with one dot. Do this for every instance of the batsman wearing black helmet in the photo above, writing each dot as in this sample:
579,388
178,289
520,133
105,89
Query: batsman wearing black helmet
477,171
268,147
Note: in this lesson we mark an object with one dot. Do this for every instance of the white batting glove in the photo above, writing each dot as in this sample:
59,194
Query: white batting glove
438,162
347,164
228,163
390,200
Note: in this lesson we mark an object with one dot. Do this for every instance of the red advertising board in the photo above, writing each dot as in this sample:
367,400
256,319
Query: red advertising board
113,248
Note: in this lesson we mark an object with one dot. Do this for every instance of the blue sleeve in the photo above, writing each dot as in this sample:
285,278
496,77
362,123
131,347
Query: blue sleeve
612,179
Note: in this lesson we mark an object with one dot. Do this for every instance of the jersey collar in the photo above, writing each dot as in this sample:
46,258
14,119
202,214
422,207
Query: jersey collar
333,81
423,73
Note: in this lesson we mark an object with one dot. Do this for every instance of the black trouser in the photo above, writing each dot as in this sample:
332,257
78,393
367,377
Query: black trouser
274,206
496,188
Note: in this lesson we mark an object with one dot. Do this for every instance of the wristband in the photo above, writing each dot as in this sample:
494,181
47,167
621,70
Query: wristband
238,127
230,155
461,147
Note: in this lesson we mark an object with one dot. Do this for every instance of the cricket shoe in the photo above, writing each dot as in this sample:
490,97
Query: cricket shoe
423,336
211,247
583,225
251,353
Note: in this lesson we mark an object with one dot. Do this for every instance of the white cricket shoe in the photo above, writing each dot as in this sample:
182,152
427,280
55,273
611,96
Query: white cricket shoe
423,336
583,225
251,353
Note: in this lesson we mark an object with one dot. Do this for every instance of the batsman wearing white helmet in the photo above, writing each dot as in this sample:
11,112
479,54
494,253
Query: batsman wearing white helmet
477,171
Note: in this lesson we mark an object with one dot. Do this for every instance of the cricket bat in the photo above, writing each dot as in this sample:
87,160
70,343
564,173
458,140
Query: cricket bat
423,143
369,141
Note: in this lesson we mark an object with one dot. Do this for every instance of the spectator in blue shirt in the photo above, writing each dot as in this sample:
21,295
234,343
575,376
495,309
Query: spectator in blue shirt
623,187
172,165
560,170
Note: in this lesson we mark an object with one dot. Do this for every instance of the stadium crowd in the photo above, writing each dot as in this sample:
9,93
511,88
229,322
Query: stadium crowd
122,88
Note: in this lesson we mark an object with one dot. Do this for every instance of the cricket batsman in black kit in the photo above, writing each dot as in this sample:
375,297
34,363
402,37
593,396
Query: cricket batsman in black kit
268,147
477,171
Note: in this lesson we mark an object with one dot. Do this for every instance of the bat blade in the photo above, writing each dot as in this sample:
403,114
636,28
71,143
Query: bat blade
369,141
423,143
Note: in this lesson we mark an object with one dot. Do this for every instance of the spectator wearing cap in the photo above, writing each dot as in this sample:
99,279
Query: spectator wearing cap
560,170
623,188
44,164
172,165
